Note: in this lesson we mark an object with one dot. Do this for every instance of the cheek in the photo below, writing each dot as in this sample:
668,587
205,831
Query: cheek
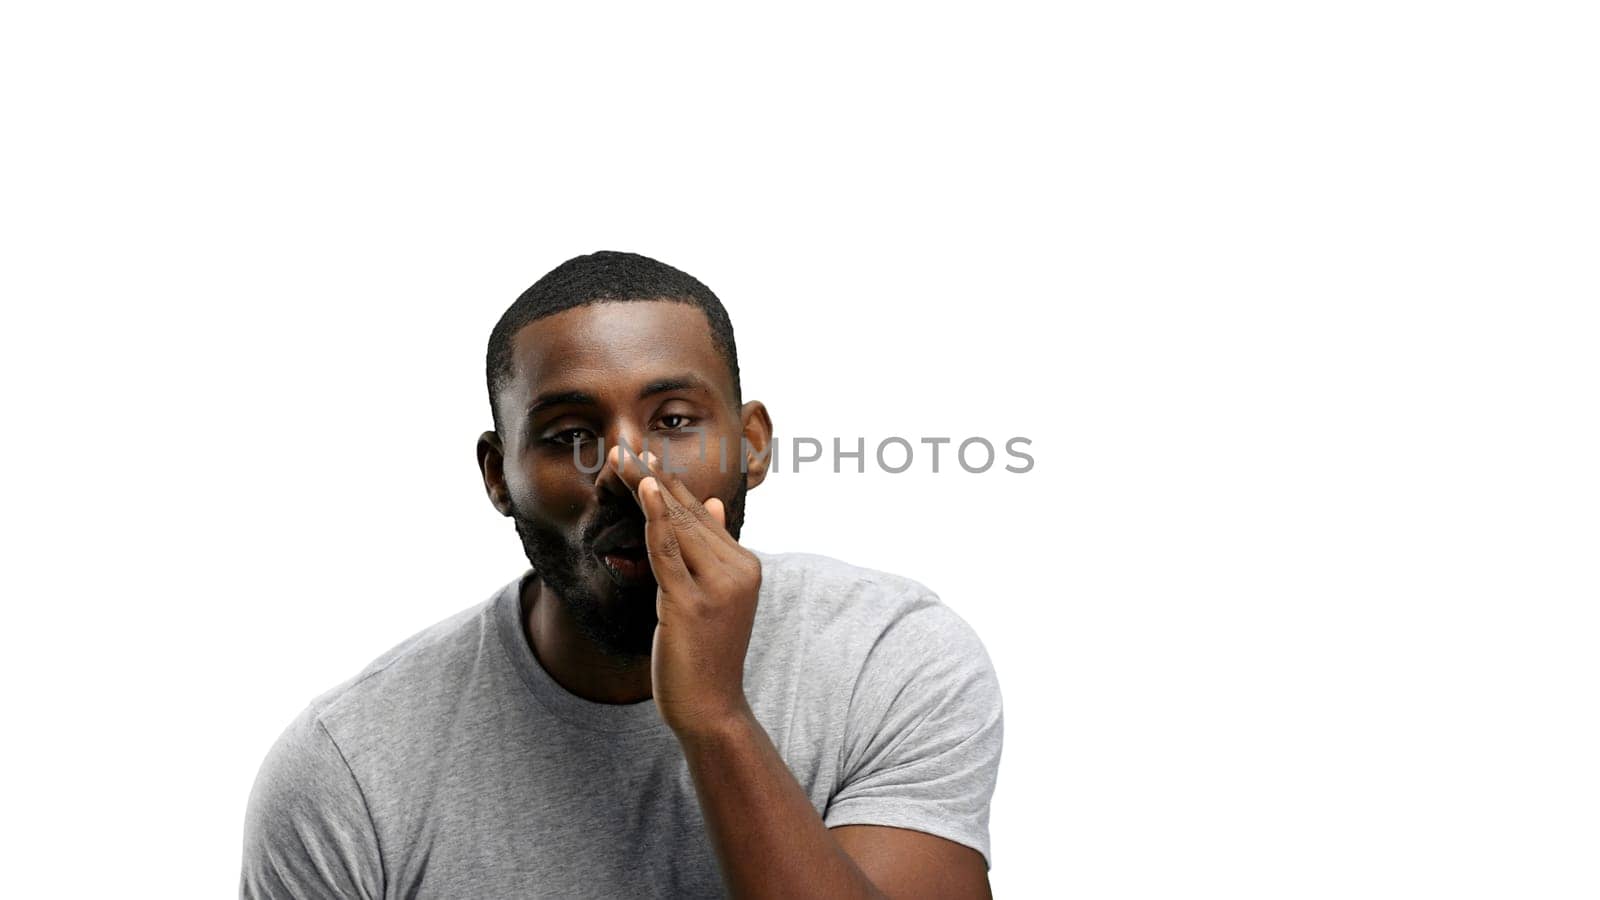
706,480
703,461
550,493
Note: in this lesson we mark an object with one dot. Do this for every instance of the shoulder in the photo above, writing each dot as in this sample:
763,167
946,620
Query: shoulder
410,671
391,696
844,596
835,587
858,617
309,829
908,690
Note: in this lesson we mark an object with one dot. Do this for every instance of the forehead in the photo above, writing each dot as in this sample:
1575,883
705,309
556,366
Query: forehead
613,345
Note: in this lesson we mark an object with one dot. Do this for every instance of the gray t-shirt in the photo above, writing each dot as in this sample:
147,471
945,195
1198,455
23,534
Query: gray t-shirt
454,766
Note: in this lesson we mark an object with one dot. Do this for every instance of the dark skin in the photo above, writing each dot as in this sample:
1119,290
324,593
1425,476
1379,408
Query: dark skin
635,373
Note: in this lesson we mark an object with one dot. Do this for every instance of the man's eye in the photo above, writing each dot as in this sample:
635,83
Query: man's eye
569,437
673,421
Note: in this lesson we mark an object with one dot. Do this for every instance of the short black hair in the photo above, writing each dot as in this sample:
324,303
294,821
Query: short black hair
605,276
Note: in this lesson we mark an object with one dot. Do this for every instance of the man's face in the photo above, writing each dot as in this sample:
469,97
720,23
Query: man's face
636,374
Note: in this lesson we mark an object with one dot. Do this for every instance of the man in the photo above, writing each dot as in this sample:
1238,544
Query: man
651,710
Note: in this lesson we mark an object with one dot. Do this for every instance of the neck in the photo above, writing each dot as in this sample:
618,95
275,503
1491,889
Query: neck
582,667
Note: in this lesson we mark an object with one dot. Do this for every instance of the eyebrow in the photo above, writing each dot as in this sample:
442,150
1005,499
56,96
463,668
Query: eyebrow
674,383
580,398
560,398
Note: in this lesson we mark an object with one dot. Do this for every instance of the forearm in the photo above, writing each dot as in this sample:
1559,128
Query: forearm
767,836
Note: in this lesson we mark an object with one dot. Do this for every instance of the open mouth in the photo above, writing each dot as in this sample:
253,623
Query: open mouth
621,550
627,565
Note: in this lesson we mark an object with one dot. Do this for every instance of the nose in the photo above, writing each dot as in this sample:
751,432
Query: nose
609,485
607,481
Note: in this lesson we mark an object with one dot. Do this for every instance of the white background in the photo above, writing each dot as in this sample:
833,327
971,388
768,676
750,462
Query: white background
1297,304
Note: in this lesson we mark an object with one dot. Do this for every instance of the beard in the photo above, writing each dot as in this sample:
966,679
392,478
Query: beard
620,619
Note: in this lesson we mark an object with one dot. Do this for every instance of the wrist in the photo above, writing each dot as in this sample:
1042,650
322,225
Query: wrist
731,723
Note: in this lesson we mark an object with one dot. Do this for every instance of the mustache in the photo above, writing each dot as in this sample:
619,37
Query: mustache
614,514
608,515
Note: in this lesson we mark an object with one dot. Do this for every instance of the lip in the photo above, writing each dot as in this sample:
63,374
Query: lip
621,536
628,571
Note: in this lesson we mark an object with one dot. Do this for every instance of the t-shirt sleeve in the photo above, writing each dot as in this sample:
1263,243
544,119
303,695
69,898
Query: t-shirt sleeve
923,734
307,832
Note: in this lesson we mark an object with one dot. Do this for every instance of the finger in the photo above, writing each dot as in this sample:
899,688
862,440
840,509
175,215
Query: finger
661,539
705,544
716,529
628,467
701,552
675,488
718,512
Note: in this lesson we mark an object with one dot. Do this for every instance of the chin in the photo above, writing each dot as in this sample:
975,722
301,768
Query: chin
626,598
631,623
621,598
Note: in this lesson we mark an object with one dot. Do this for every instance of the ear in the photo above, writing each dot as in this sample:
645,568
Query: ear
757,442
492,463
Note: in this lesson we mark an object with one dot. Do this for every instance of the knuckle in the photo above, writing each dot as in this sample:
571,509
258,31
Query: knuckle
680,515
749,568
668,549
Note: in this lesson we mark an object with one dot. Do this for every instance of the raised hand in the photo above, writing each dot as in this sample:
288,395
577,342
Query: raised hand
707,586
